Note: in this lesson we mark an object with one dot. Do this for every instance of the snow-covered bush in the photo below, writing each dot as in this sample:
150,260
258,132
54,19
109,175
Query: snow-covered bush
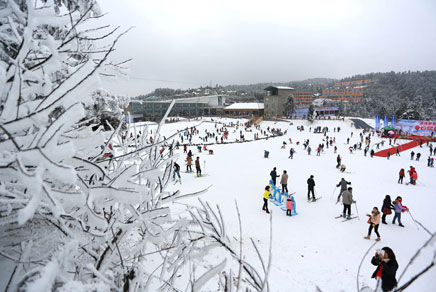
76,214
107,108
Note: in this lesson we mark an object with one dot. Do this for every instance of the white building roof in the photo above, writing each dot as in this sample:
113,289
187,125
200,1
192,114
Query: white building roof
283,87
247,105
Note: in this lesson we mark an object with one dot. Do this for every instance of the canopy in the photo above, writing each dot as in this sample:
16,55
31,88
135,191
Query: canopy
387,128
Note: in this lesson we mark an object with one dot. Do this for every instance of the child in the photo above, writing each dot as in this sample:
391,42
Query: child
265,199
374,222
342,167
402,175
399,208
289,206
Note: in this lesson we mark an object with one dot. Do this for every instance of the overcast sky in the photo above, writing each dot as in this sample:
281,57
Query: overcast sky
189,43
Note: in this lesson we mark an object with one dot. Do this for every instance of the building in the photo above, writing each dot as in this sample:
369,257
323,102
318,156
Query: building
244,109
320,112
303,98
352,83
211,105
343,94
276,98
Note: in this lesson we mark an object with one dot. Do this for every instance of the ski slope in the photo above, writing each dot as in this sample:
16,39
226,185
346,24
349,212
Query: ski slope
315,249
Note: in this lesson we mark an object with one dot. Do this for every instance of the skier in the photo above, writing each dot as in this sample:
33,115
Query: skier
338,160
418,155
335,149
342,168
397,152
389,155
284,182
372,153
265,199
402,175
190,153
310,188
399,208
309,150
374,222
274,176
387,267
386,208
347,200
411,155
343,184
176,171
197,166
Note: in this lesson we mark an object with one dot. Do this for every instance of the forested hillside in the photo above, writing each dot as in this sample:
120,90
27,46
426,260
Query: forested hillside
406,95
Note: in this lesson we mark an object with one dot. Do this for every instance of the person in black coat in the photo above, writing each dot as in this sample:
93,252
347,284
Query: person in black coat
387,267
386,208
274,176
310,188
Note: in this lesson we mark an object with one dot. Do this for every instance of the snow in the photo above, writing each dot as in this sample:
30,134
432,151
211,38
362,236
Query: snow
313,249
248,105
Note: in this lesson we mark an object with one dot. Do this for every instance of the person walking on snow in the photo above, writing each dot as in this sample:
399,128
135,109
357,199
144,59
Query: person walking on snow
265,199
343,184
284,182
374,222
197,166
347,200
399,208
311,188
387,267
188,164
386,208
274,176
401,176
291,153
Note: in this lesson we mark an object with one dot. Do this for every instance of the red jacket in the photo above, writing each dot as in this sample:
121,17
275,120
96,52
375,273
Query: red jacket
402,172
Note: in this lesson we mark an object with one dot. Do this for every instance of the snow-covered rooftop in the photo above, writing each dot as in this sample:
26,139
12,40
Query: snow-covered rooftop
278,87
245,105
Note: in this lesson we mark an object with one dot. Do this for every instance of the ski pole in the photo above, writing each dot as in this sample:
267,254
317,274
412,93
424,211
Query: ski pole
413,219
333,192
357,211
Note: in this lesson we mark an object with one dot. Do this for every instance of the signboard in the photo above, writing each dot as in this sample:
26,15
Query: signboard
393,121
421,128
377,122
386,121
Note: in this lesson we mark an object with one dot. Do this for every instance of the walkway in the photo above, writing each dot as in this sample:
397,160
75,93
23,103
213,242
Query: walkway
359,124
393,150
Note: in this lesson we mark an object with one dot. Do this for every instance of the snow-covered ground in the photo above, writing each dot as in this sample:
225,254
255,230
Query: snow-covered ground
313,248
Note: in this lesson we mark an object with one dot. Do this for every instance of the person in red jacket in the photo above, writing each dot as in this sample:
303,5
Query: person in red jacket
414,177
411,171
402,175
